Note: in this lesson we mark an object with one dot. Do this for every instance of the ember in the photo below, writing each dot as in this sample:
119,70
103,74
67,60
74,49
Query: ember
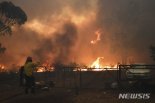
98,34
2,68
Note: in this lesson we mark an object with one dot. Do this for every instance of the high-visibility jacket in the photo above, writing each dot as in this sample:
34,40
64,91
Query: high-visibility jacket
28,69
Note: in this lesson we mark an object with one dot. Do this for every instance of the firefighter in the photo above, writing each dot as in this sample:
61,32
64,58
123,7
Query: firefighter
29,77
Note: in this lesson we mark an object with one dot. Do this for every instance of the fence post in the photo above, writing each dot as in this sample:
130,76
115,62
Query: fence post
80,79
75,82
119,74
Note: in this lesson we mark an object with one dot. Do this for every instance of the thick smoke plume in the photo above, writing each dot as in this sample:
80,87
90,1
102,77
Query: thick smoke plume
50,34
58,48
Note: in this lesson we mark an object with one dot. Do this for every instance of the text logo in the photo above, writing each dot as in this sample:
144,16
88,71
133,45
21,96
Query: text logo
134,96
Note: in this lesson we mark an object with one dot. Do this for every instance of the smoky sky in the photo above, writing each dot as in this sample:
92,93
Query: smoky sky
62,31
130,25
59,47
43,8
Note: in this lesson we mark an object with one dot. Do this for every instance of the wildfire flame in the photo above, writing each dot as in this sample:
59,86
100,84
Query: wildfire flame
45,67
2,68
97,66
96,63
40,69
98,34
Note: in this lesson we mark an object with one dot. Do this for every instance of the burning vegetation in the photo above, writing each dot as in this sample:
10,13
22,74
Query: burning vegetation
67,38
98,35
94,33
2,68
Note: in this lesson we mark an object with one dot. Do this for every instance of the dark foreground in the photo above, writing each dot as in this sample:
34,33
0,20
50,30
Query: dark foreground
10,92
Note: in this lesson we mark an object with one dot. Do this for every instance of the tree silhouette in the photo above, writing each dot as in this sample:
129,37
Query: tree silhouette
9,16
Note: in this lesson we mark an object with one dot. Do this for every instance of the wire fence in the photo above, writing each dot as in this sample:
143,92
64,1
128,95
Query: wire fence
69,78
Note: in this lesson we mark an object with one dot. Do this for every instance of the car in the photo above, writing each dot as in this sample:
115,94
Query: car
138,71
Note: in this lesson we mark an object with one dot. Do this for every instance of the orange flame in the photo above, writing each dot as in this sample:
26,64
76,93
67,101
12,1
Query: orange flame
96,63
97,66
40,69
98,34
2,68
46,66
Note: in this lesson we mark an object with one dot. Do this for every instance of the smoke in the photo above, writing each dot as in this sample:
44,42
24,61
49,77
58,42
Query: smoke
50,33
61,31
18,46
59,46
129,28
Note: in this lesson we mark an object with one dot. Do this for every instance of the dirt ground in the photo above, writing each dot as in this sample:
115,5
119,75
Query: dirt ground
68,96
11,92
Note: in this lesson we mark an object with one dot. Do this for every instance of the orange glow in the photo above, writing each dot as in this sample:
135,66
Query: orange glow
98,34
96,63
47,28
44,69
46,66
40,69
40,28
2,68
97,66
